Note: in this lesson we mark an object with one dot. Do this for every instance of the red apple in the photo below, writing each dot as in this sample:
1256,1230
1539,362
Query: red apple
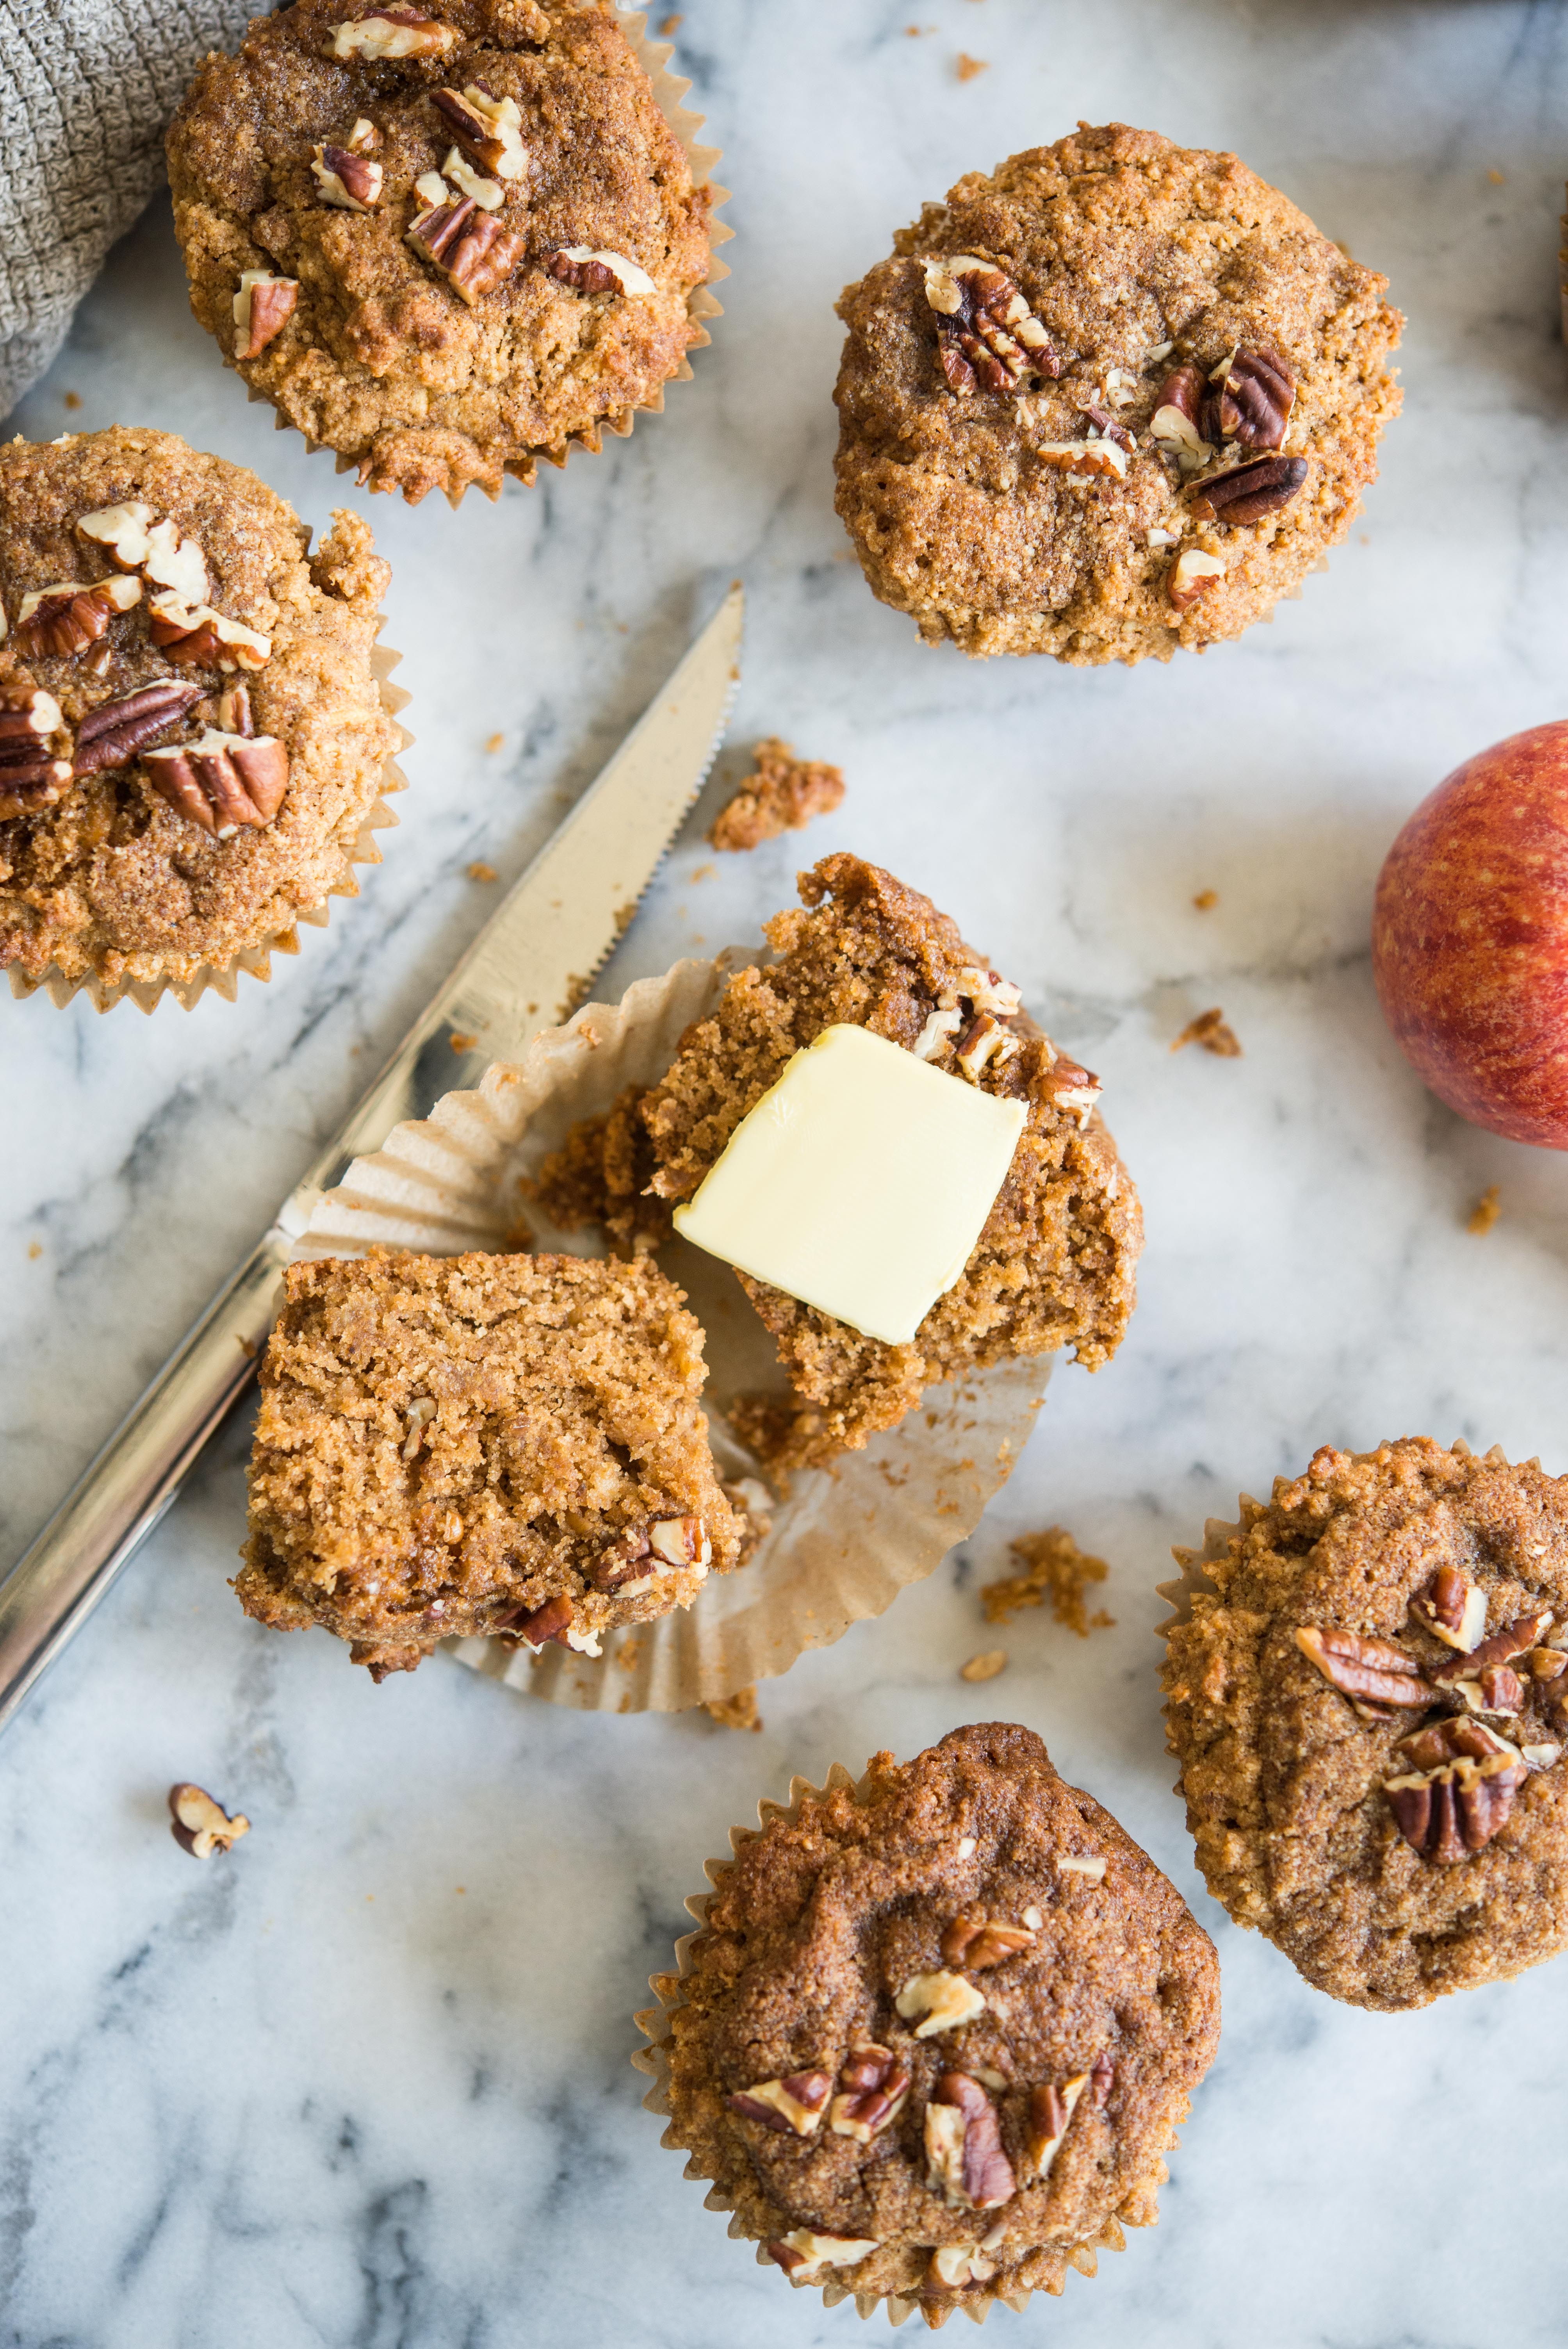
1469,938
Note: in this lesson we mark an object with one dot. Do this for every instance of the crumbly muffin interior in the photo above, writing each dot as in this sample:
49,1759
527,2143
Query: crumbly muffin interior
480,1444
1133,256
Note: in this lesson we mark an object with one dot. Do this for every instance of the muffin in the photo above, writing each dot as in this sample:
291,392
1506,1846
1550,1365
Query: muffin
192,734
502,1444
445,240
1117,397
937,2031
1368,1708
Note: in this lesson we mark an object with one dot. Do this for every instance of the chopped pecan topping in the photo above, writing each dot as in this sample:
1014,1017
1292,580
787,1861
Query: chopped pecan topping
1176,423
616,1566
1453,1607
939,1026
680,1541
487,128
473,253
1089,1865
432,191
1255,398
1442,1741
1050,2110
1101,2078
535,1626
196,636
134,542
221,781
1540,1756
1110,428
965,2162
938,2002
954,2266
983,1040
235,709
112,734
264,304
351,182
1191,575
31,775
488,194
803,2255
976,1943
1084,456
985,333
1447,1813
421,1411
66,619
1246,493
873,2088
1373,1670
987,990
200,1825
1498,1689
1074,1089
1514,1639
794,2105
391,33
1547,1663
578,265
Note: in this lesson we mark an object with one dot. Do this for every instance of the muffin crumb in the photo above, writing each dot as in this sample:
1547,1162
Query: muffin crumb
1055,1571
1210,1030
737,1711
783,795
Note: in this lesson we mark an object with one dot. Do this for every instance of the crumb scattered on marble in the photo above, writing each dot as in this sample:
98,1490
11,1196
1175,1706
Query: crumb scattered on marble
984,1667
482,872
969,67
461,1043
737,1711
34,1250
672,24
496,742
705,872
1485,1212
71,399
1210,1030
1206,900
1054,1569
783,795
1497,179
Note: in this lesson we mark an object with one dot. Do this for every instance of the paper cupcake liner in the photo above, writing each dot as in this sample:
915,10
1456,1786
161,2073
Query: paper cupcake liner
654,2022
1194,1579
702,302
255,962
845,1539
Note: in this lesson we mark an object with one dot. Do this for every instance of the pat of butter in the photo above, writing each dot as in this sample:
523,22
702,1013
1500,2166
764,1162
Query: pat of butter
858,1183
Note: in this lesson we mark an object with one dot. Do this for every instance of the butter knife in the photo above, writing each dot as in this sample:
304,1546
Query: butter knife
528,968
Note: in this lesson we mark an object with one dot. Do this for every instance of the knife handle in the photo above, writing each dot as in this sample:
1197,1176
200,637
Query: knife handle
54,1588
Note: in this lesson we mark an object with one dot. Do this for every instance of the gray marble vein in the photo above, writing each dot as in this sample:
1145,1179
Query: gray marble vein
365,2084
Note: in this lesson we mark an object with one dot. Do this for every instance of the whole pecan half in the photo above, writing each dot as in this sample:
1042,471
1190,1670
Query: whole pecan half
1448,1813
964,2145
221,781
1372,1669
1255,399
471,250
112,734
1246,493
1453,1607
65,620
986,333
873,2090
793,2106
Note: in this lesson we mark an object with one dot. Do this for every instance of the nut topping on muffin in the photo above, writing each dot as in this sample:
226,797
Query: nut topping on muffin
264,304
938,2002
31,774
873,2088
381,33
587,272
133,540
985,332
66,619
965,2162
1049,2111
797,2103
112,734
351,182
488,128
221,781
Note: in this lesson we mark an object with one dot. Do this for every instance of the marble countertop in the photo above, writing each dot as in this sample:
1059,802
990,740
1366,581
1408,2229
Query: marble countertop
366,2082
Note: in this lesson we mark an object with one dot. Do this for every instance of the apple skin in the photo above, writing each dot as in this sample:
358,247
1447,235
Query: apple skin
1469,938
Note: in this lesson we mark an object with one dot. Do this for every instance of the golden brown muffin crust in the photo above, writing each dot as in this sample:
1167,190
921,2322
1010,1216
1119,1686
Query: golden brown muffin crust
111,878
452,1444
1283,1775
820,1921
1121,243
381,359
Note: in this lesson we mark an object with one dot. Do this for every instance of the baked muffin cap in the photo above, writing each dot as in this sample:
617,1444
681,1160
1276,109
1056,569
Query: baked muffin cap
119,871
990,1943
557,304
1386,1620
1012,494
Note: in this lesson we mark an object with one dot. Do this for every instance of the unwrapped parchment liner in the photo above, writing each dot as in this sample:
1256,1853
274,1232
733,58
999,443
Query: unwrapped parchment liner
653,2022
256,961
702,302
845,1539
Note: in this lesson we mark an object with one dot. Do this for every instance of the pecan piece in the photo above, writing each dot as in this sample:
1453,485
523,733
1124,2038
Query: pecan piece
196,636
351,182
1101,2078
579,266
938,2002
1084,456
1453,1607
1372,1669
112,734
1442,1741
1074,1089
975,1943
535,1626
794,2106
200,1825
803,2255
680,1541
472,252
987,990
1191,575
1447,1814
488,194
1176,423
134,542
873,2088
615,1568
487,128
1498,1689
264,304
955,2266
983,1040
965,2162
31,776
221,781
66,619
985,332
235,709
1256,395
391,33
1513,1640
933,1037
1050,2110
1109,427
1246,493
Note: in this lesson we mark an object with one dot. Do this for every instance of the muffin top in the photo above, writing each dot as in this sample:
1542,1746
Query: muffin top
937,2031
1055,1263
510,1444
191,733
444,241
1369,1712
1116,397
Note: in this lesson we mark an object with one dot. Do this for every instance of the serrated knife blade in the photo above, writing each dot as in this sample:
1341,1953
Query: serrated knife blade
532,961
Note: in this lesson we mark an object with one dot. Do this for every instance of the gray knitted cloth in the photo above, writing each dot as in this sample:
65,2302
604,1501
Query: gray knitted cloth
86,88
